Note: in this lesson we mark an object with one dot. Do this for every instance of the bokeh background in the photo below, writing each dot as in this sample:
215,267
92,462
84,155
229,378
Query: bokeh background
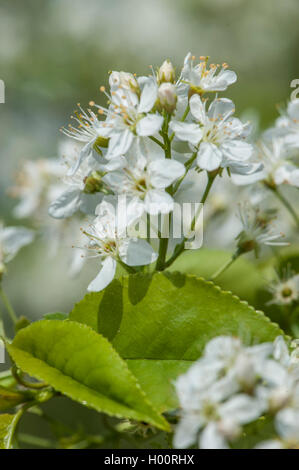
56,53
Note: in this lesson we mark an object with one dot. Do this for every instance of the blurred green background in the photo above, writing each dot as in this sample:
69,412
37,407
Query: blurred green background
55,53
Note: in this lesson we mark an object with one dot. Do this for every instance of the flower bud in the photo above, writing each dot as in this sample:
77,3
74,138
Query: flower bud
167,97
166,72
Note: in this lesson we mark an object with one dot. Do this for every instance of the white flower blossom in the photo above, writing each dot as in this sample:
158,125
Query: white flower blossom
256,230
109,242
89,132
145,182
232,385
202,78
129,116
82,191
278,167
37,185
288,124
217,137
285,289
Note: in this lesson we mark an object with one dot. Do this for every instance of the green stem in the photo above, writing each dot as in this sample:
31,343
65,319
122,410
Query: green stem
225,266
180,248
157,141
287,205
8,306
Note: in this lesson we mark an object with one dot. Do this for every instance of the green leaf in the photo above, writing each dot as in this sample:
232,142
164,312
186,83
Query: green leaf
10,398
7,425
164,322
82,365
243,278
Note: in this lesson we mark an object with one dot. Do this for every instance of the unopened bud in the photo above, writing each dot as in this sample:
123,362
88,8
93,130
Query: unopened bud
167,97
166,72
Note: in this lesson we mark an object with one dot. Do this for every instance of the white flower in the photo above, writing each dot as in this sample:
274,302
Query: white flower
256,231
109,242
201,78
278,168
12,239
218,137
285,290
81,193
129,116
288,124
212,393
145,182
232,385
38,184
89,132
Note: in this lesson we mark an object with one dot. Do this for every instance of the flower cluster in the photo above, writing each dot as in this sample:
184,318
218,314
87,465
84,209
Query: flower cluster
161,140
233,385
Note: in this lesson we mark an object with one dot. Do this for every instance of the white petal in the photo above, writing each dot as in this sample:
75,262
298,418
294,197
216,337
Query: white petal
237,150
293,109
287,423
164,172
158,201
85,151
148,96
186,131
119,143
270,444
242,180
66,205
209,157
221,107
186,432
14,238
281,352
242,409
139,253
198,108
104,277
149,125
89,202
26,206
210,438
